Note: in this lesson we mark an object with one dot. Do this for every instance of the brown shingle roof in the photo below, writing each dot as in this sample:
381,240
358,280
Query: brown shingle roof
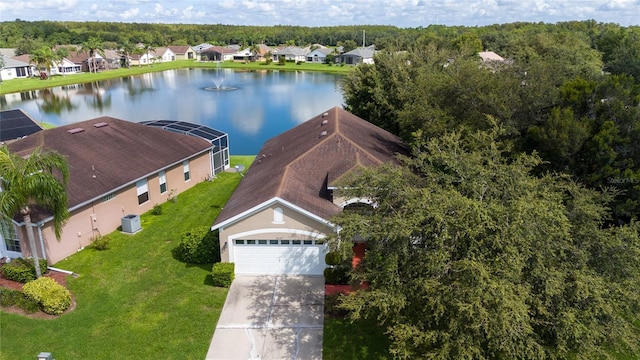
297,165
179,49
117,153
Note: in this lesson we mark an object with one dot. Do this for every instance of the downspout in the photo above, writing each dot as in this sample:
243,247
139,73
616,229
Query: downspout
44,252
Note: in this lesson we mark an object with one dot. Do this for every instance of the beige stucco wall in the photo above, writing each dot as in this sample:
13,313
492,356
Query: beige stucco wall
261,226
104,216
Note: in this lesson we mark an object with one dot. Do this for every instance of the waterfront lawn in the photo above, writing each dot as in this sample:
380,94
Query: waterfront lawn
134,300
34,83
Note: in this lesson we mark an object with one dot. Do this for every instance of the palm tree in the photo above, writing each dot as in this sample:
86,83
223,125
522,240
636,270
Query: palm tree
139,51
38,180
58,56
255,52
126,50
148,49
92,46
43,58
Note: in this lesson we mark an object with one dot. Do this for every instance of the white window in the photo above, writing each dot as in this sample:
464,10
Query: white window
185,167
278,216
162,178
143,191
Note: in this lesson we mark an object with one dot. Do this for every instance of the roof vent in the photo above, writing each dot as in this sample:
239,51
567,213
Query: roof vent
325,114
325,121
100,124
75,130
323,133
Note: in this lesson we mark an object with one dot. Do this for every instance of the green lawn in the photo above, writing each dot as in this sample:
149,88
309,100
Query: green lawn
19,85
362,340
134,300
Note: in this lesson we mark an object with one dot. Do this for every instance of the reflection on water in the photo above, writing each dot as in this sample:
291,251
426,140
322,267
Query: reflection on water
264,104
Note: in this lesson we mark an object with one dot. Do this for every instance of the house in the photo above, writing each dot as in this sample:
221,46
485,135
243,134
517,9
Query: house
163,54
489,56
361,55
183,52
15,69
16,124
319,55
82,59
217,53
199,48
279,215
247,54
118,170
290,53
65,66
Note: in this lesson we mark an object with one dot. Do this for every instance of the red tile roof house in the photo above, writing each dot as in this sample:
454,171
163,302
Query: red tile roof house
279,215
117,168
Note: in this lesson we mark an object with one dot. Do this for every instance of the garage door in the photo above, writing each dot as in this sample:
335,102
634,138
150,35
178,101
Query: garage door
276,257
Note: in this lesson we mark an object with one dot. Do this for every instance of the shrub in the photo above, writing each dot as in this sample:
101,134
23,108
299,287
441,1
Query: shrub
157,209
332,258
199,246
332,305
223,274
17,298
22,270
52,297
338,275
100,243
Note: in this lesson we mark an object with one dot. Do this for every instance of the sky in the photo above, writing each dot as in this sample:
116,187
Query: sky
316,13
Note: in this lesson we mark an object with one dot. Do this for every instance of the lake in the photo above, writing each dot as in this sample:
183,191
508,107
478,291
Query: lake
251,106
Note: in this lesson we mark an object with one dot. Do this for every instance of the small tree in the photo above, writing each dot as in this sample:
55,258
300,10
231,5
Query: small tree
37,180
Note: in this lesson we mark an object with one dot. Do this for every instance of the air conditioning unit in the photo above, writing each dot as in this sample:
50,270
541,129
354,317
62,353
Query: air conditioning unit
131,224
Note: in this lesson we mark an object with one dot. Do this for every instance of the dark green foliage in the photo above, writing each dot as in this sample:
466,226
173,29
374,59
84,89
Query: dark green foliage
332,305
338,275
471,255
199,246
157,209
332,258
100,243
223,274
17,298
52,297
22,270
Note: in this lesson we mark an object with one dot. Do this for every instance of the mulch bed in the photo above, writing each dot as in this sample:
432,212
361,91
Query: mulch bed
59,277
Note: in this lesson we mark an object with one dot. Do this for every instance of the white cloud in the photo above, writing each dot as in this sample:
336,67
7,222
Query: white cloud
401,13
130,13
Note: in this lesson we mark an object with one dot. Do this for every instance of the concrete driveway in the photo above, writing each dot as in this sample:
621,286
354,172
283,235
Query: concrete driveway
271,318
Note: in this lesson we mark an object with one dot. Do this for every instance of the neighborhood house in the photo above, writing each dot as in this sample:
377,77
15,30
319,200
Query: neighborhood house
118,170
277,219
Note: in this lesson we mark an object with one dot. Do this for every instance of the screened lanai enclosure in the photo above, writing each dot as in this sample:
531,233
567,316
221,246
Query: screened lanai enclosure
219,139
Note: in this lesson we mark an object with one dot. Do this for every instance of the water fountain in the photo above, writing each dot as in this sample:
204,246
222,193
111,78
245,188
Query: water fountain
218,81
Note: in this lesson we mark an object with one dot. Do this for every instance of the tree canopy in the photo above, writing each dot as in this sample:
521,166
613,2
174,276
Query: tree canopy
471,255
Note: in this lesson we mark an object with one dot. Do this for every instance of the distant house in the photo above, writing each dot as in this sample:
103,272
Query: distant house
118,170
16,124
65,66
361,55
217,53
488,56
319,56
200,48
290,53
82,59
16,69
247,54
279,216
183,52
164,54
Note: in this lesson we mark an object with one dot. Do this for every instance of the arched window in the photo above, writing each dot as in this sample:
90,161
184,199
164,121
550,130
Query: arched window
278,216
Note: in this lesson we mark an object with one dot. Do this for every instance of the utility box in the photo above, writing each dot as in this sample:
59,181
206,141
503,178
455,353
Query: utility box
45,356
131,224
